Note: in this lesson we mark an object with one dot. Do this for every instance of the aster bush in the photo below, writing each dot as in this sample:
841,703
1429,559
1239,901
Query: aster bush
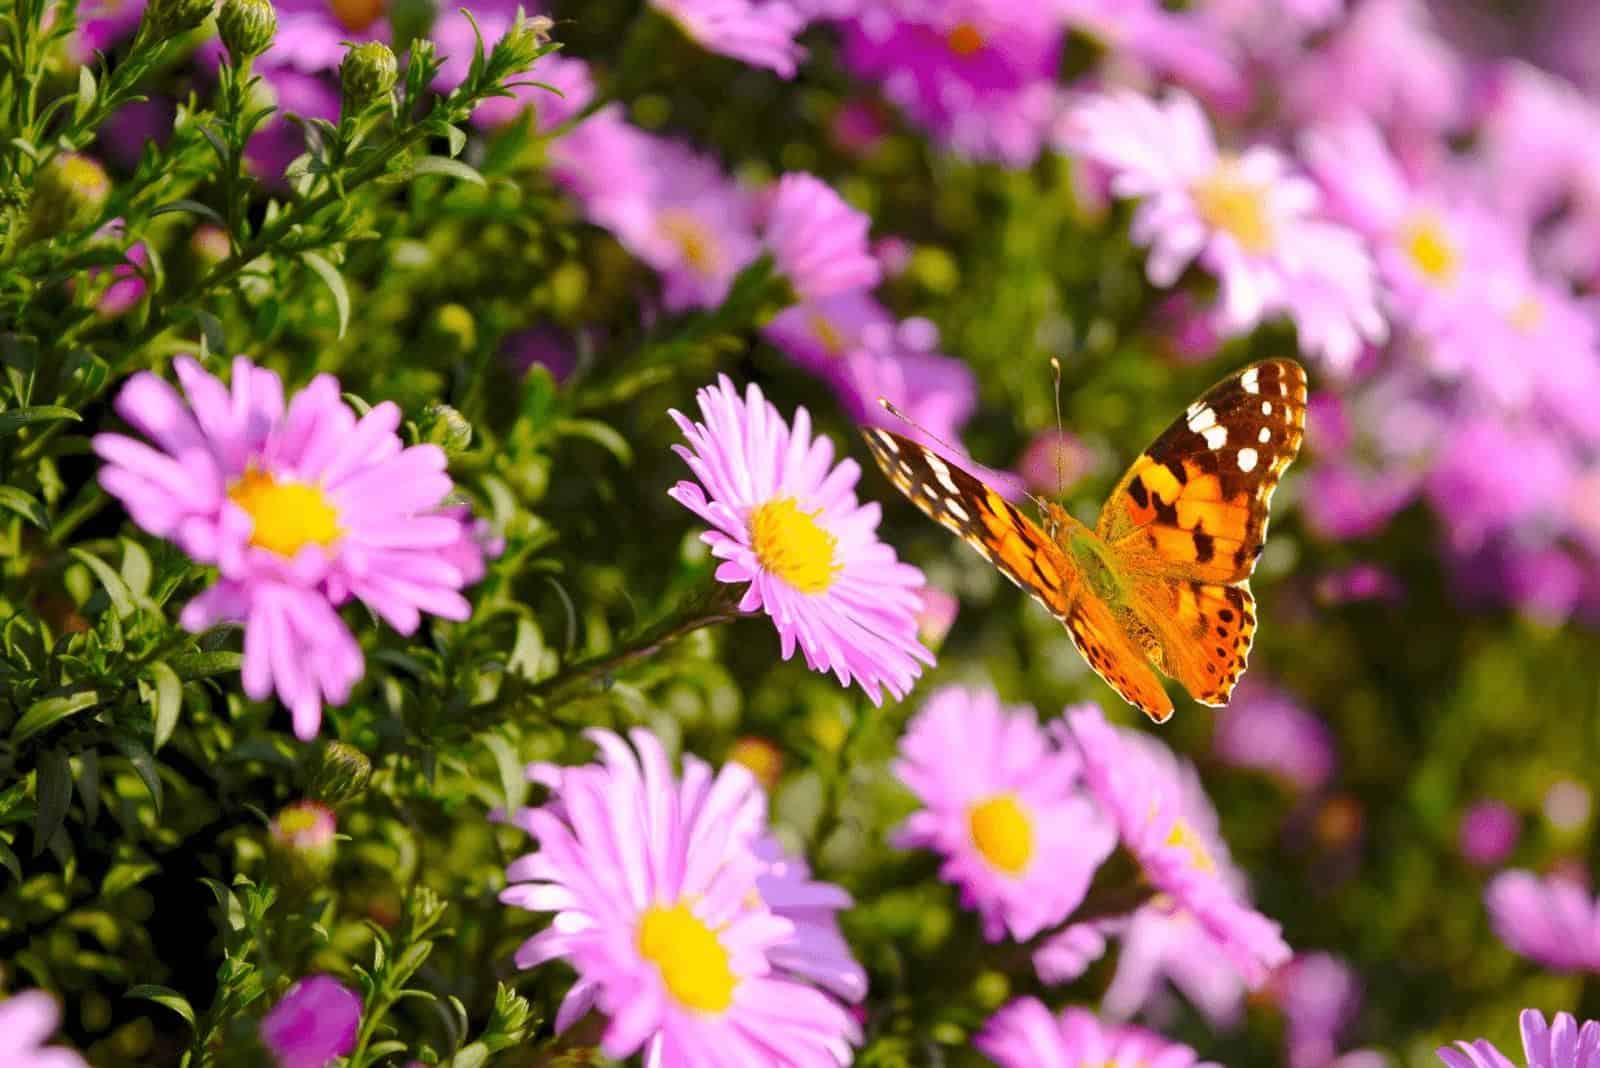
448,615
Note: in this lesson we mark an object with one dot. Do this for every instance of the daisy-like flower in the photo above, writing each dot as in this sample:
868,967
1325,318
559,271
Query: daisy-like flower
1167,824
659,905
1246,218
818,240
1004,807
1553,922
785,520
817,950
301,506
758,32
1558,1044
1024,1034
314,1022
26,1021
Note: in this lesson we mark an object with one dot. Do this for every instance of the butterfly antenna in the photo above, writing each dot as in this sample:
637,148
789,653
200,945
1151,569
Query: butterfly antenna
1061,478
889,407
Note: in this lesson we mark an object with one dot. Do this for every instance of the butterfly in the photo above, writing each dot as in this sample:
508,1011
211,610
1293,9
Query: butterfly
1163,578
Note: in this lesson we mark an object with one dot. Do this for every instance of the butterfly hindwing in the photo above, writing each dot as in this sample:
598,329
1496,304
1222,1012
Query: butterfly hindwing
1197,500
1201,632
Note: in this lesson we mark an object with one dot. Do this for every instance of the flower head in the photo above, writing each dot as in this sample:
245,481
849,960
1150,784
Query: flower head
1004,807
659,894
816,951
314,1022
300,505
1558,1044
1167,824
26,1021
1266,729
758,32
785,520
818,240
1553,921
1488,832
1025,1035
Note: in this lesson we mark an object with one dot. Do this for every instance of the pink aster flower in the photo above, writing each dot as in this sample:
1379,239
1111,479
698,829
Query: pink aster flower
1560,1044
1167,824
818,240
816,951
26,1021
1005,809
1246,218
1488,832
1553,922
785,520
659,908
300,505
758,32
1024,1034
314,1022
1319,995
1266,729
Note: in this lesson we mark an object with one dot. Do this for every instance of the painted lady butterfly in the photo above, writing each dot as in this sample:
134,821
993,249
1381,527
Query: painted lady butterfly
1163,578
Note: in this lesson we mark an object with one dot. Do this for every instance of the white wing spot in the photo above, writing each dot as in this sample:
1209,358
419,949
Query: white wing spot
1216,437
954,508
941,471
906,471
1283,387
1265,436
1195,409
1249,381
1266,407
1202,420
1247,459
886,441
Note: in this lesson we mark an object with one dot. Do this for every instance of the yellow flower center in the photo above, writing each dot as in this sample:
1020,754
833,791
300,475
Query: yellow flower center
693,963
1429,246
789,544
357,14
828,334
1183,835
1230,203
287,515
965,39
693,240
1002,832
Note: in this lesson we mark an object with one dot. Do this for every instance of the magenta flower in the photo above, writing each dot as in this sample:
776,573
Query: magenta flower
1054,461
1488,833
279,142
300,506
1246,218
1004,807
785,520
1024,1034
26,1021
818,240
100,25
314,1022
758,32
1167,824
1553,922
1559,1044
1491,476
816,951
1319,995
1266,729
658,895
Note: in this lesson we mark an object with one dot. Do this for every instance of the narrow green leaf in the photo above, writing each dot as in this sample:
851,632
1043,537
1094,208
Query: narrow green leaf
49,711
193,207
168,701
126,874
335,283
512,779
601,434
164,995
86,93
116,589
17,418
191,666
449,168
53,788
8,859
475,1055
136,567
89,783
144,765
457,138
25,505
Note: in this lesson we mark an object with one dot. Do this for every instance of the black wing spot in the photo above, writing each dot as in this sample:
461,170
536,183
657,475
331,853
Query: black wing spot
1225,614
1221,651
1176,467
1140,495
1205,547
1166,514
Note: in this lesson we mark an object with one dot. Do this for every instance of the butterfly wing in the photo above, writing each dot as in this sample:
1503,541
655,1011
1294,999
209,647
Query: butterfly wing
1189,519
1024,554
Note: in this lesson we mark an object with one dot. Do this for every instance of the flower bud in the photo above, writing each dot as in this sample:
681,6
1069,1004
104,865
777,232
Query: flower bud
521,45
168,18
210,245
68,193
447,428
246,28
367,75
301,846
340,772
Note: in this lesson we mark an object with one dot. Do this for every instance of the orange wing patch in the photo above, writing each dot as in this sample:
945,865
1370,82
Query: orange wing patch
1203,632
1107,648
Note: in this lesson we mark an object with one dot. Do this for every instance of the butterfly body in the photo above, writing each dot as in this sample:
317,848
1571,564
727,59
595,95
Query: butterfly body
1162,578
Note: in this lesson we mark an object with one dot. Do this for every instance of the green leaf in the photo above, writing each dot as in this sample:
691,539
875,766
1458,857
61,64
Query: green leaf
86,93
601,434
17,418
89,783
25,505
136,568
164,995
193,207
471,1056
126,874
49,711
144,765
457,138
449,168
116,589
191,666
8,860
335,283
53,787
512,778
168,701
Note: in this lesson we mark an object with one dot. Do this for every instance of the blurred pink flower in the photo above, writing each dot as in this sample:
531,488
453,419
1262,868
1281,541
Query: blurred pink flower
818,240
1264,728
1192,48
312,1024
554,350
936,616
1491,476
1488,832
1359,582
1024,1034
1553,922
1054,461
570,77
758,32
816,951
101,24
1319,995
1560,1044
26,1022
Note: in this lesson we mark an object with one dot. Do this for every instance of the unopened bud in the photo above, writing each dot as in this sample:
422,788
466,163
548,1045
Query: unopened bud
246,28
367,75
340,772
447,428
301,846
168,18
68,193
522,44
210,244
